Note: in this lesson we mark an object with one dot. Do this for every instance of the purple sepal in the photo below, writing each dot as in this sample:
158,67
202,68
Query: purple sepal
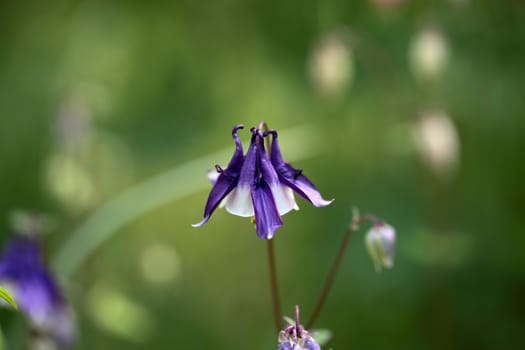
287,346
227,179
311,344
296,344
22,266
293,177
267,218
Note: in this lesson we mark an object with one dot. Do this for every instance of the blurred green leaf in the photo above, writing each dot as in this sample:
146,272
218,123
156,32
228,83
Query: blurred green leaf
7,297
321,336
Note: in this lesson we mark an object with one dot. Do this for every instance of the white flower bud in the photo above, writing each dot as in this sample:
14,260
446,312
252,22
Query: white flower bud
380,242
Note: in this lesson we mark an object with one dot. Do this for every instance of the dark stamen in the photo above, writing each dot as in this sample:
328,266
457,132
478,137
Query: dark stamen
298,173
268,132
218,169
236,128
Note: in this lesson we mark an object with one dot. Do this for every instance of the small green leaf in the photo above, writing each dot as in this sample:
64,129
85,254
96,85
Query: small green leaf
289,320
321,336
7,297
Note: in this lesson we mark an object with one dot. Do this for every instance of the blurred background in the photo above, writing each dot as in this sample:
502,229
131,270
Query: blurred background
112,112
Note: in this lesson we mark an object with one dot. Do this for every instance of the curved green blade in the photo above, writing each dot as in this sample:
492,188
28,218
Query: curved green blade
7,297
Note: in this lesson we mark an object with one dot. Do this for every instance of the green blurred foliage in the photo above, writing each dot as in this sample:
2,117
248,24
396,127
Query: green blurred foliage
97,96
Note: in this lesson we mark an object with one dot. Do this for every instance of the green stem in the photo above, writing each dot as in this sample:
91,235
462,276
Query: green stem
276,304
331,277
353,227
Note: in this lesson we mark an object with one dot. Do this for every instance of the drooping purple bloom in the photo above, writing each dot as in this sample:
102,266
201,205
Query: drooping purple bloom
23,273
309,344
295,337
259,185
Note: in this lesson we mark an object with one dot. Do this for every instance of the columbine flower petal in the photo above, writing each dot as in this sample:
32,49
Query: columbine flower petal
240,201
289,346
293,177
267,215
22,269
267,218
308,345
283,195
213,176
24,274
311,344
227,179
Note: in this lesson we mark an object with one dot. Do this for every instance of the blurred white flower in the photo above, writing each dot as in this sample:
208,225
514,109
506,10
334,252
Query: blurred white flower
331,65
428,54
437,142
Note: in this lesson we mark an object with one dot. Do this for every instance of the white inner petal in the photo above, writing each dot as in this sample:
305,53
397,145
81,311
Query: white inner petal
284,198
222,204
239,202
213,175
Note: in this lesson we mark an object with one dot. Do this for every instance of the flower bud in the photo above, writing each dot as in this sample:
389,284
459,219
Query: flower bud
288,341
380,242
295,337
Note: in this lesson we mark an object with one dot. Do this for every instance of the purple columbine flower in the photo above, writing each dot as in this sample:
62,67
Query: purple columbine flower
37,294
259,185
295,337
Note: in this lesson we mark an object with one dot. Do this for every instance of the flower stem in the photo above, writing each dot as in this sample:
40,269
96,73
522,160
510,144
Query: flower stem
331,277
353,227
262,126
276,304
